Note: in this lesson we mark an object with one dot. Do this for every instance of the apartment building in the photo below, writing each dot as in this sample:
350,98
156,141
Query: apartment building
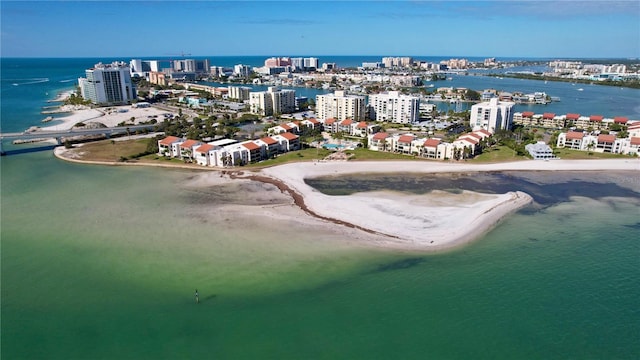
492,115
340,106
273,101
394,107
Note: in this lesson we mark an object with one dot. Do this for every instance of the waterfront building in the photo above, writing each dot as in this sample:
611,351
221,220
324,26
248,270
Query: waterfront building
196,66
492,115
272,101
395,62
242,70
310,64
394,107
108,84
169,146
142,68
540,151
372,65
340,106
157,78
240,93
277,62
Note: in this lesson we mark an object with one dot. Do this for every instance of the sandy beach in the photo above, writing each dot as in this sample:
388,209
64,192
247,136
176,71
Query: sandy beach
110,117
434,221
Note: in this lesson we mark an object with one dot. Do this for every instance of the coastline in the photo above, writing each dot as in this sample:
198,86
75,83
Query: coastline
429,222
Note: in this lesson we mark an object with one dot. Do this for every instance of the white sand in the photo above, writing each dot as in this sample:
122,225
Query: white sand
422,221
110,117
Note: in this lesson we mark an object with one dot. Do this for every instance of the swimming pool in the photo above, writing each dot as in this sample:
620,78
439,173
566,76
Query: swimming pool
333,146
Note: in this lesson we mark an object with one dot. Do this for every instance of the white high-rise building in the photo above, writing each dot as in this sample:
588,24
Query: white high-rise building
273,101
394,107
340,106
108,84
142,68
242,70
239,92
492,115
310,63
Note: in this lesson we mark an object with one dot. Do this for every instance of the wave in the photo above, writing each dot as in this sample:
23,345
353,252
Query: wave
64,81
17,82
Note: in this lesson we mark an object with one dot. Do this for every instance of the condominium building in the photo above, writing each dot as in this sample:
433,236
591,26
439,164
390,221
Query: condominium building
394,107
142,68
492,115
391,62
239,92
108,84
242,70
340,106
272,101
192,66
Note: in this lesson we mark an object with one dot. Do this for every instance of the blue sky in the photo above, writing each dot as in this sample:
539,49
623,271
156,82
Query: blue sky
549,29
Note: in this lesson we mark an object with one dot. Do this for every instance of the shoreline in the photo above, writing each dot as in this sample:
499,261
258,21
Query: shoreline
394,220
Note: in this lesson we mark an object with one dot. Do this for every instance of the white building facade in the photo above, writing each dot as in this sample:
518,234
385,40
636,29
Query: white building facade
394,107
492,115
340,106
108,84
273,101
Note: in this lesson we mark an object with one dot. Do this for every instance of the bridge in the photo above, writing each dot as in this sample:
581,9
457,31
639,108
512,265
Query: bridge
58,135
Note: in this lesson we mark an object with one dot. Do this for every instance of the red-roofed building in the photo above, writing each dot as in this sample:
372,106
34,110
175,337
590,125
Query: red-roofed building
288,141
548,116
311,123
573,117
170,146
483,133
571,140
527,114
202,154
635,141
403,145
597,118
270,146
379,142
430,149
606,142
187,148
330,125
620,120
255,151
345,126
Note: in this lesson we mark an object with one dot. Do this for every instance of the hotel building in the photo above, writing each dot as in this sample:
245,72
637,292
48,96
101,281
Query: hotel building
108,84
272,101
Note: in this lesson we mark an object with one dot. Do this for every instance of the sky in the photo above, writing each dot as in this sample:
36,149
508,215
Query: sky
528,29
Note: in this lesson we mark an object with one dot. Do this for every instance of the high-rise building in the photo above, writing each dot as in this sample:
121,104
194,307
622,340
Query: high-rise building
142,68
192,66
242,70
108,84
239,92
394,107
492,115
310,63
340,106
273,101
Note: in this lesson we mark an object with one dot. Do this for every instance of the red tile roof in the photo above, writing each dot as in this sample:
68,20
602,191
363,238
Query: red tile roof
596,117
189,144
362,125
475,136
573,135
169,140
346,122
469,139
483,131
330,121
285,126
314,120
289,136
431,143
548,115
602,138
527,113
269,140
635,125
406,138
620,120
573,116
251,145
204,148
380,136
635,141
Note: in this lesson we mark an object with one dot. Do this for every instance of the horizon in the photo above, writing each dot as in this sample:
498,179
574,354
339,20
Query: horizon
523,29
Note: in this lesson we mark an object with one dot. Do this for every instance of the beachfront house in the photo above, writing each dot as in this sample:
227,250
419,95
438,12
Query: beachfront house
203,155
169,146
254,150
288,141
540,151
187,149
403,145
379,142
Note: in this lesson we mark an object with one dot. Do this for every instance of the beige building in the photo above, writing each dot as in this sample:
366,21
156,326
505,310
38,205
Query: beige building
340,106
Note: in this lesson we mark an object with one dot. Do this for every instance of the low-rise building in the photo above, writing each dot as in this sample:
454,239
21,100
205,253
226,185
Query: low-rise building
540,151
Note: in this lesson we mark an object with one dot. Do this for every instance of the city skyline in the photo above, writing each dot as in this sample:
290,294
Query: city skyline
527,29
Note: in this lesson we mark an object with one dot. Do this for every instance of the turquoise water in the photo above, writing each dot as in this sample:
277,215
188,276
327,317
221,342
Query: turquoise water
101,262
332,146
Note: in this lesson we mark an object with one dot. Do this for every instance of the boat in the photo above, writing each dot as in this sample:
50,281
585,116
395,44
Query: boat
581,89
47,119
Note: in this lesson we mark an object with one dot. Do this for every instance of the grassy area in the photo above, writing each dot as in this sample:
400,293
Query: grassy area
568,154
108,150
365,154
497,154
300,155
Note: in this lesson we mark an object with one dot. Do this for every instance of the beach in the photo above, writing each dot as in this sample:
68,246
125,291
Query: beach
435,221
109,117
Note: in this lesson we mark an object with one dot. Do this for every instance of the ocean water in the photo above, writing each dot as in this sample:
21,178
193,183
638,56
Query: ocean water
101,262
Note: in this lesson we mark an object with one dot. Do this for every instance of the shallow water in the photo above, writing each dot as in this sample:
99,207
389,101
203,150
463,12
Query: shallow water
101,262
